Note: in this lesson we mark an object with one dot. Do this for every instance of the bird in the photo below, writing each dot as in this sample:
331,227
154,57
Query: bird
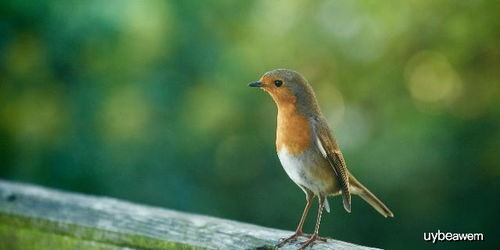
308,150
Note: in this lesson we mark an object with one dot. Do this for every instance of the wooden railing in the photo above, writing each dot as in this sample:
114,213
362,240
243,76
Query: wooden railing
33,217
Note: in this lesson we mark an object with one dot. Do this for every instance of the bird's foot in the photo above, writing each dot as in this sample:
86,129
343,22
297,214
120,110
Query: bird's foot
311,241
292,238
318,238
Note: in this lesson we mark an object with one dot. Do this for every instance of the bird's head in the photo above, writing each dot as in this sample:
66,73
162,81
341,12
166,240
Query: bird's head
288,87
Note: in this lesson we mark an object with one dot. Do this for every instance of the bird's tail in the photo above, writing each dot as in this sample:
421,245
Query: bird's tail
359,189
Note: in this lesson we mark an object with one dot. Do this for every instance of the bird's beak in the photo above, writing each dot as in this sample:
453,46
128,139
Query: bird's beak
256,84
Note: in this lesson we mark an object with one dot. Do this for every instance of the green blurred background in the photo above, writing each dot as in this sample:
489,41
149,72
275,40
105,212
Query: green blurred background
147,101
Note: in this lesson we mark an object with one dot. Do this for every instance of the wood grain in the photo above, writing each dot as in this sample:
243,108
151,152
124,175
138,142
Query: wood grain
34,217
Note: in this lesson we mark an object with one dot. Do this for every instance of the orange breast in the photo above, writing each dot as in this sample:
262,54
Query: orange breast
293,131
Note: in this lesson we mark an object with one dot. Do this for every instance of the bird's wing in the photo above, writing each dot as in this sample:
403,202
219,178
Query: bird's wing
330,150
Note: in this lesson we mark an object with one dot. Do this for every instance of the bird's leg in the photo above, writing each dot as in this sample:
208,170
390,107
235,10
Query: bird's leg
299,232
315,235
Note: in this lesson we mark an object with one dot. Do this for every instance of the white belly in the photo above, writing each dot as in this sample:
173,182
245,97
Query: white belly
308,170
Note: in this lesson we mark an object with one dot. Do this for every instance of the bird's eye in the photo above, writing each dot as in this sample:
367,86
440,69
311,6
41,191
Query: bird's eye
278,83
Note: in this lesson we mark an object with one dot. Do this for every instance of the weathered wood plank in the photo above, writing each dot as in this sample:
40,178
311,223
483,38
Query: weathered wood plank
33,217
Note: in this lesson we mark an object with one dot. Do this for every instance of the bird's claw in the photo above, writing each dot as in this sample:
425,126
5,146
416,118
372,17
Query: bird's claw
296,235
292,238
311,241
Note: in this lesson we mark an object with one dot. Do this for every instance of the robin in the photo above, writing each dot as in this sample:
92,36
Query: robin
308,150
